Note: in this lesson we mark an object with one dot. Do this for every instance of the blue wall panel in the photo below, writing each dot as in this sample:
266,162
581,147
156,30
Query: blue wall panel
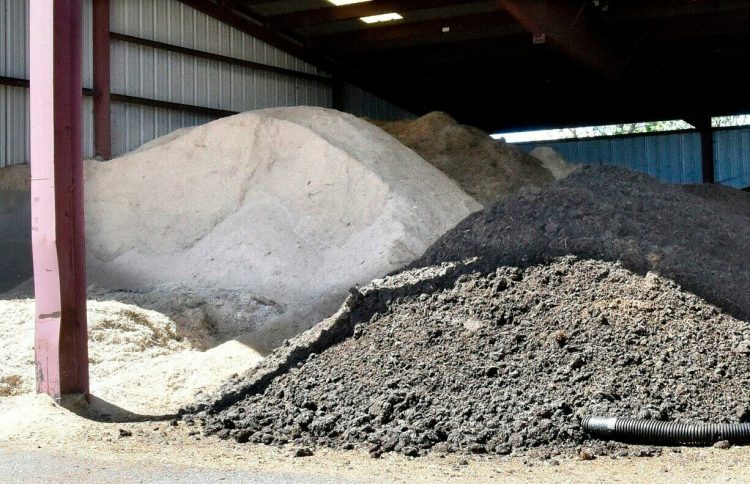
671,157
732,153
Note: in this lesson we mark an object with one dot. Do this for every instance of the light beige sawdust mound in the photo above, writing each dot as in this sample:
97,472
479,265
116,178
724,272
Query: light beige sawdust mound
140,360
292,206
553,161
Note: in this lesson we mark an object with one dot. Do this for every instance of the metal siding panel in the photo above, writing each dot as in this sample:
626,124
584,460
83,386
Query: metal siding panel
88,45
141,124
14,125
692,153
732,157
362,103
745,157
670,150
619,152
5,49
641,158
721,154
14,38
651,161
88,127
4,135
119,141
568,149
603,150
670,157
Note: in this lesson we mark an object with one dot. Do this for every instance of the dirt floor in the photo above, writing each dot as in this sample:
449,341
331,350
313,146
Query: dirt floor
52,444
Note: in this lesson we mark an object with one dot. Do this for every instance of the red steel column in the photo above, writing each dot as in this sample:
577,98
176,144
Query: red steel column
60,345
102,113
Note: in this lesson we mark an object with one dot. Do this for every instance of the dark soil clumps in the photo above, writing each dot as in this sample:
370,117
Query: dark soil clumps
506,362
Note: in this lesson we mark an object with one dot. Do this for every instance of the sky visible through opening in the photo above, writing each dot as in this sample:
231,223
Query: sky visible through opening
616,129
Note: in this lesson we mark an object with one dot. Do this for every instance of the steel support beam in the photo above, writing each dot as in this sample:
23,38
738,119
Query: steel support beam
102,109
703,124
707,154
60,345
564,26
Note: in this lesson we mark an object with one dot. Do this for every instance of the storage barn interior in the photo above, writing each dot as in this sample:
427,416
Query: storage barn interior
278,239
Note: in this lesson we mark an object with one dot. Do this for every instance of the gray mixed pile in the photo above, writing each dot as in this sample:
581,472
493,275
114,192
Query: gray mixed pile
508,349
697,236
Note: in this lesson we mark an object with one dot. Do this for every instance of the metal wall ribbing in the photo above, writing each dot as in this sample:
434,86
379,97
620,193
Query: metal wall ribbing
153,73
361,103
14,101
732,155
14,21
673,157
670,157
167,76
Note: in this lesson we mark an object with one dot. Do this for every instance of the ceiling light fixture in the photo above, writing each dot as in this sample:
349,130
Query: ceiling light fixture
386,17
339,3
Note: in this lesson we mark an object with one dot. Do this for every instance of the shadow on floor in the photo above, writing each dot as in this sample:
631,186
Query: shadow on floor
94,408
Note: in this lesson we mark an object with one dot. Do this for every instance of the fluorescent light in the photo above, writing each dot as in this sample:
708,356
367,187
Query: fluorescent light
386,17
339,3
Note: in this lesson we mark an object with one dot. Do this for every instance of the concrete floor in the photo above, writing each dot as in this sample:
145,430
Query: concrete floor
24,467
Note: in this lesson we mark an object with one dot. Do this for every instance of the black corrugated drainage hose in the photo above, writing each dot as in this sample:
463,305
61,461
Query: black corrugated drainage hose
658,432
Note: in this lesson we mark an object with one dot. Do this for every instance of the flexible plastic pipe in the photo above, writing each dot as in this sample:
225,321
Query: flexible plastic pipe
658,432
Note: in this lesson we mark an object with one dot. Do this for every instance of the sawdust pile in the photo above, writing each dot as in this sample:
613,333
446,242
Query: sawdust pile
553,161
210,246
263,220
140,359
291,205
487,169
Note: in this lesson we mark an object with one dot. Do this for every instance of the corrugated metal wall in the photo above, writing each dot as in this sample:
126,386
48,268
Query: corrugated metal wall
361,103
674,157
14,56
166,76
14,101
14,122
671,157
732,153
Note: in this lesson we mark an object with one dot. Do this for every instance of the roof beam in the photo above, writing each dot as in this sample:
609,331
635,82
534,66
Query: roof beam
566,27
650,10
241,21
570,29
250,3
496,24
318,16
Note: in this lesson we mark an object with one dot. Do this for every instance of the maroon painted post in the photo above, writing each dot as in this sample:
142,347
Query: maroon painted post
102,112
60,344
